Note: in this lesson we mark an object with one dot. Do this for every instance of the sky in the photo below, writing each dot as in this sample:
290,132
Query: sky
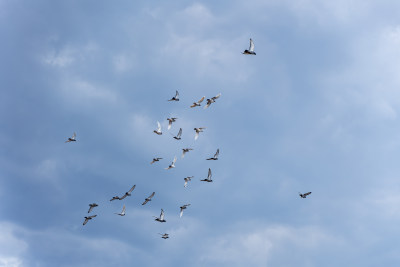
315,110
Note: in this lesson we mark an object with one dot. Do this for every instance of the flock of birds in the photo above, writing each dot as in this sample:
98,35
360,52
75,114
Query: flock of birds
158,131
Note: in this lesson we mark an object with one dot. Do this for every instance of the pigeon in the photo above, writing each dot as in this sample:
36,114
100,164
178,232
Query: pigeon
183,208
92,206
187,179
88,218
158,131
165,236
251,49
211,100
71,139
148,198
198,130
128,194
122,212
208,179
114,198
176,97
161,218
155,160
304,195
172,164
197,104
215,156
185,150
170,121
178,136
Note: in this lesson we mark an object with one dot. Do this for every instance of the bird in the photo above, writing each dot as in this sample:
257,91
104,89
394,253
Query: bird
176,97
208,179
158,131
128,194
170,121
304,195
197,104
183,208
114,198
122,212
251,49
187,179
155,160
185,150
88,218
165,236
172,164
198,130
211,100
92,206
215,156
71,139
161,218
148,198
178,136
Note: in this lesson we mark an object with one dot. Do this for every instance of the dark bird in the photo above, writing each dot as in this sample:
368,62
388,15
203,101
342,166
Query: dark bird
128,194
304,195
161,218
185,150
155,160
71,139
198,130
176,97
148,198
122,212
158,131
170,121
178,136
165,236
208,179
187,179
215,156
183,208
172,164
88,218
251,49
91,207
197,104
211,100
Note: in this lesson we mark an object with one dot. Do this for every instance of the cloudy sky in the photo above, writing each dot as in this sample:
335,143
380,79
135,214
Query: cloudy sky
315,110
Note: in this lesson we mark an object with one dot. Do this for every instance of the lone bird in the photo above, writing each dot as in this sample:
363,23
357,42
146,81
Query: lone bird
172,164
251,49
178,136
187,179
155,160
91,207
158,131
170,121
88,218
148,198
185,150
183,208
122,212
165,236
208,179
304,195
128,194
161,218
211,100
215,156
198,130
71,139
176,97
197,104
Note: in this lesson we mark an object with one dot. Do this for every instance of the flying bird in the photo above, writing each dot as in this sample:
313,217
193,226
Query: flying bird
211,100
183,208
304,195
185,150
114,198
161,218
170,121
88,218
215,156
122,212
165,236
91,207
251,49
198,130
178,136
158,131
197,104
148,198
172,164
71,139
208,179
128,194
176,97
187,179
155,160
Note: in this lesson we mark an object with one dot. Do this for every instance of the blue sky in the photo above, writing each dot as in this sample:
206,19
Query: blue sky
315,110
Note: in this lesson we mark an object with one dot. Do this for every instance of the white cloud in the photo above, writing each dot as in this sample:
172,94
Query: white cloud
12,248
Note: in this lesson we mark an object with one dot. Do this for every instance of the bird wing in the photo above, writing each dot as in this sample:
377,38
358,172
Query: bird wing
162,215
177,94
74,136
216,154
145,201
173,162
209,174
181,213
124,196
86,220
186,183
169,124
123,210
308,193
251,45
179,133
196,136
201,100
90,209
152,195
208,103
217,96
130,190
194,105
91,217
158,127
